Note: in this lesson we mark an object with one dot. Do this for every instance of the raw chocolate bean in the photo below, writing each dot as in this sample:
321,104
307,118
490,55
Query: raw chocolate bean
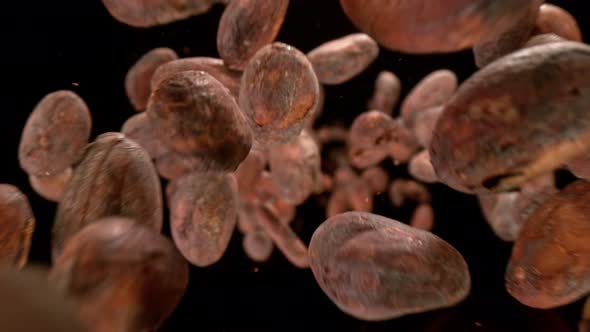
173,165
55,134
257,245
546,38
249,172
115,178
331,134
375,268
350,192
377,179
501,213
584,325
51,187
421,168
554,19
386,93
424,124
423,218
17,224
401,190
139,129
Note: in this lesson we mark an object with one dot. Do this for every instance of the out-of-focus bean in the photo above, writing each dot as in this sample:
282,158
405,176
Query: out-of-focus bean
377,179
433,90
51,187
421,168
331,134
139,129
402,190
17,224
554,19
546,38
500,211
257,245
386,93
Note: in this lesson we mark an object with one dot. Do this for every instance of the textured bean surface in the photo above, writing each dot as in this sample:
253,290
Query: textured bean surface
203,212
426,27
339,60
375,268
139,129
546,38
279,93
433,90
149,13
549,266
518,117
386,93
115,177
192,113
55,134
17,224
246,26
123,275
139,76
51,187
554,19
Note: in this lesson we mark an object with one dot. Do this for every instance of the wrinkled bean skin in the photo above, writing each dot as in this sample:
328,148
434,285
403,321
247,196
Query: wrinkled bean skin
296,168
139,76
421,168
55,134
554,19
424,124
150,13
17,224
139,129
386,93
490,138
546,38
433,90
212,66
29,302
279,93
423,218
375,268
549,263
115,177
402,190
339,60
51,187
246,26
428,27
203,215
123,275
192,113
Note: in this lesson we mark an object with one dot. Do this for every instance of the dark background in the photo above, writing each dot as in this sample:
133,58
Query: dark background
50,45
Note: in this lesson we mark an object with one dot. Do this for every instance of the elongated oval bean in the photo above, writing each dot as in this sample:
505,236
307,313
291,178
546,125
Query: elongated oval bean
51,187
433,90
554,19
386,93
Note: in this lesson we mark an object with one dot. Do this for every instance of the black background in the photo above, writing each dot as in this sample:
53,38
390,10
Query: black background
50,45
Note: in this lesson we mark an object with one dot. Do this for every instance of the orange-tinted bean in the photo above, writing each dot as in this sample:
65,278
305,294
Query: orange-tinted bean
386,93
51,187
17,224
554,19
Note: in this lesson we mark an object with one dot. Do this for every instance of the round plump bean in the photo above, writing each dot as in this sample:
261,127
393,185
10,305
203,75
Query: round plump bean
139,76
51,187
115,177
203,212
339,60
17,224
122,275
55,134
386,93
212,66
521,116
139,129
246,26
375,268
279,93
554,19
549,266
149,13
433,90
192,113
421,168
426,27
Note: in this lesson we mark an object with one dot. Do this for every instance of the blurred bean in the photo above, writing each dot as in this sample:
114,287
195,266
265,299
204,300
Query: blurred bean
139,129
331,134
173,165
122,275
247,217
386,93
17,224
257,245
51,187
500,129
427,27
377,179
421,168
584,324
501,213
375,268
249,171
55,134
546,38
580,166
424,124
269,195
554,19
139,76
423,217
339,60
192,113
246,26
402,190
279,93
115,177
549,266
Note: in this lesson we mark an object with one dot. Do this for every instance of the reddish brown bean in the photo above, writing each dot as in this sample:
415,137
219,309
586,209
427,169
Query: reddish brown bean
546,38
212,66
339,60
203,213
279,93
247,218
554,19
268,194
55,134
377,179
331,134
501,213
123,275
149,13
421,168
257,245
29,302
350,192
386,93
580,166
424,124
433,90
549,266
295,168
490,138
423,218
401,190
51,187
139,76
115,177
193,114
17,224
375,268
249,172
246,26
426,27
139,129
173,165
